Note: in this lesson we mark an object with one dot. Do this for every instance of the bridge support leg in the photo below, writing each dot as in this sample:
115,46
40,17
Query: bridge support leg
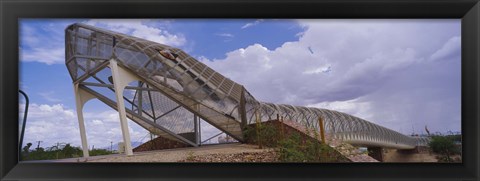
82,97
195,128
376,153
121,78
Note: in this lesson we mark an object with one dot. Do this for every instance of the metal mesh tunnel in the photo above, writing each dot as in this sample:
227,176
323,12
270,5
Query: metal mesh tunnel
174,88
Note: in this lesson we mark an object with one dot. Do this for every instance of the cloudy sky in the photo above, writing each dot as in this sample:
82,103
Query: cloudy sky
401,74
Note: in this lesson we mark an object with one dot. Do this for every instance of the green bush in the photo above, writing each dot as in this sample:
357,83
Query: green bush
262,134
445,146
54,152
292,147
295,149
96,152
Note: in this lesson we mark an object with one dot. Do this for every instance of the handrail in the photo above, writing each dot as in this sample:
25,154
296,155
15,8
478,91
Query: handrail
23,124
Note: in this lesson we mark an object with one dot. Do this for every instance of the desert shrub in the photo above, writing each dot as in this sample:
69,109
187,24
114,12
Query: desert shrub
96,152
297,149
291,147
445,146
262,134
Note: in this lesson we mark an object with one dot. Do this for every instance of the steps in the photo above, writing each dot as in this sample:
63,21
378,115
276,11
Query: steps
230,126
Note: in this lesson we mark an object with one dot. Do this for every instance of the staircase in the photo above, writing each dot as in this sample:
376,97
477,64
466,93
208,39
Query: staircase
219,120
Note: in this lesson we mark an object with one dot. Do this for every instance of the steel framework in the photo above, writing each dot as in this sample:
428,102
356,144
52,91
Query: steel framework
165,91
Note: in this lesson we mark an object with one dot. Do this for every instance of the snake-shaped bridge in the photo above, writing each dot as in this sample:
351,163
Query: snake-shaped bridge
166,91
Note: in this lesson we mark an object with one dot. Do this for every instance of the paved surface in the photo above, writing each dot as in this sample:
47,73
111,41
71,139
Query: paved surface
175,155
69,160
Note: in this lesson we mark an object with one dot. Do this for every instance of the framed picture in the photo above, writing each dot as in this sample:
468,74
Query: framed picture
240,90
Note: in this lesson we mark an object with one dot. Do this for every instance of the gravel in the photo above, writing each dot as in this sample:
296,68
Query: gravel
182,154
264,156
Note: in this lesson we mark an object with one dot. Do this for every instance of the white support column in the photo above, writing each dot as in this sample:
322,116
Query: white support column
197,127
82,97
199,131
196,130
121,78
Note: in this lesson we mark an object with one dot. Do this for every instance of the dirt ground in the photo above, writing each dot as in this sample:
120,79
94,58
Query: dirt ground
392,155
175,155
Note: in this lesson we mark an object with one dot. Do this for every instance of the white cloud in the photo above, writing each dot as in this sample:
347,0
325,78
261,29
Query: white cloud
42,43
252,24
228,35
139,29
46,43
49,96
353,64
353,107
450,48
56,123
317,70
97,122
50,124
43,55
292,67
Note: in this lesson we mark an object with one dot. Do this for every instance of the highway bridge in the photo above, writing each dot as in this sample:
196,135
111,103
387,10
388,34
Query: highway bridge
167,92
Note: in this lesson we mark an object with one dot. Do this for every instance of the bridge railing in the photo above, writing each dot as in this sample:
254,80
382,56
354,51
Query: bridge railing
336,124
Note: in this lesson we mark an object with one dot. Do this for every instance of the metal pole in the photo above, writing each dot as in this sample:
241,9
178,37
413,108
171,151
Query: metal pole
322,130
24,122
282,129
38,145
283,126
257,120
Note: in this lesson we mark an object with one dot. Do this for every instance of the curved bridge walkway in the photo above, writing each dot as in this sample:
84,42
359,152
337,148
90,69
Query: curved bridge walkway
167,92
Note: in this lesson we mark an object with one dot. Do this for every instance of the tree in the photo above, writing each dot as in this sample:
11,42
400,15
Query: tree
443,145
26,149
70,152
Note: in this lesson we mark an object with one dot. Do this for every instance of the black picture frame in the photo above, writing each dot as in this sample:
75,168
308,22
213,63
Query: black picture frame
12,11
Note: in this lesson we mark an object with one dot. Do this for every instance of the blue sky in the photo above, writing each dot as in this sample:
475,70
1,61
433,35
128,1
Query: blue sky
401,74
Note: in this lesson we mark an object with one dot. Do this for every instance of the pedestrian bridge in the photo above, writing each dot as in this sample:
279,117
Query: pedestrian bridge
167,91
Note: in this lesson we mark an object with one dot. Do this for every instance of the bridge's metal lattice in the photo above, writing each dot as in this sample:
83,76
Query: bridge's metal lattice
176,86
422,141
